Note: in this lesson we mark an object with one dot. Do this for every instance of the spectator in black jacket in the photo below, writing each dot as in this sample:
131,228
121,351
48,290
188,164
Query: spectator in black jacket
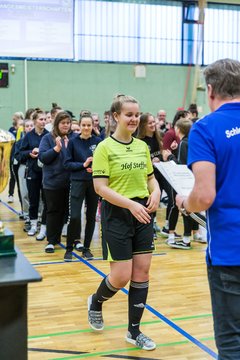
79,162
29,151
56,179
17,122
27,127
147,131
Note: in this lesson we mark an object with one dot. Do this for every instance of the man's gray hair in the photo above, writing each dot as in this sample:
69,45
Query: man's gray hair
224,77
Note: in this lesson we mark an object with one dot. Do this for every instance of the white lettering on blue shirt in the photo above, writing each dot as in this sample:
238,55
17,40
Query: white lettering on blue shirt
232,132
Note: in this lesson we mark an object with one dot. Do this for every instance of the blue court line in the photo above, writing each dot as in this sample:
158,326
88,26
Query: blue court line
182,332
155,312
10,208
54,262
148,307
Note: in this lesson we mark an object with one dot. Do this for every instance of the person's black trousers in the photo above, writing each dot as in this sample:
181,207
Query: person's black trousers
189,225
224,283
79,191
12,180
57,205
172,209
34,190
15,168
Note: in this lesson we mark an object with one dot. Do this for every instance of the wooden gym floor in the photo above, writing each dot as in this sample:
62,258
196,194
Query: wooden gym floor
178,315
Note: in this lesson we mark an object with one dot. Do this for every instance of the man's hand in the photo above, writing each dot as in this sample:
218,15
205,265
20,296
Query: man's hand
179,201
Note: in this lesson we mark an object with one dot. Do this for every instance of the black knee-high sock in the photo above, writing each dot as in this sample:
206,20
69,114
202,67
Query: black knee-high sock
104,292
137,297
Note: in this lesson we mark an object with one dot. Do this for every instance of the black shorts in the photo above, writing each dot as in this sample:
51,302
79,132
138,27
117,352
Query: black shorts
122,234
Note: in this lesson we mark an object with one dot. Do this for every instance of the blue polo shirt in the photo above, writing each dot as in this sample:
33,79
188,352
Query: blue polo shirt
216,138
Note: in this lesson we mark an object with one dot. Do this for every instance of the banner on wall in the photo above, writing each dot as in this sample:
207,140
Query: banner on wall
36,29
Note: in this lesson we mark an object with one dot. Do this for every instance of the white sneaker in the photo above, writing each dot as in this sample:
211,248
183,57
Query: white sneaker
180,244
49,249
10,199
42,234
170,240
95,318
198,237
78,245
32,230
142,341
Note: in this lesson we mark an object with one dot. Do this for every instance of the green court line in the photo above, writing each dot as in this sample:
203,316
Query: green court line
192,317
102,353
209,338
117,326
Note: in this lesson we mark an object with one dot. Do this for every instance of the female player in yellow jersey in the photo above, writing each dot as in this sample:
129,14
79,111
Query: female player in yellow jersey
123,177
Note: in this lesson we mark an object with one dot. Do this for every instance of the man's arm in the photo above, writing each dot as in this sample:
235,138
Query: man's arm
204,191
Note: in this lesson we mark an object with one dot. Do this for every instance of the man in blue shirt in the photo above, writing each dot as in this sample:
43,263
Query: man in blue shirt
214,151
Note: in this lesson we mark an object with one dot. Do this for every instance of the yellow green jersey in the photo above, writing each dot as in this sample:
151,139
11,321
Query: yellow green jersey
127,166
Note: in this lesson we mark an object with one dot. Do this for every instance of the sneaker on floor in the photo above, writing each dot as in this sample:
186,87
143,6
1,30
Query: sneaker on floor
32,231
68,256
10,199
170,240
142,341
87,254
22,216
95,318
49,248
180,245
78,245
165,233
42,233
41,236
27,225
197,237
